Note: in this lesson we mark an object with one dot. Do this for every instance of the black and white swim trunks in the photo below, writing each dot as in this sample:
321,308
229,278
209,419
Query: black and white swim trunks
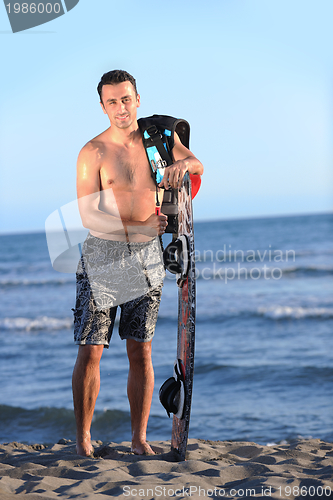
115,273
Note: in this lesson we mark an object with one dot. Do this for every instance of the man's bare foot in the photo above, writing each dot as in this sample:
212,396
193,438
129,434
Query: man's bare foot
84,447
142,449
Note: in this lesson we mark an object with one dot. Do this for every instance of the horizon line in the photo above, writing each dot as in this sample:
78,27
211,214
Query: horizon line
196,221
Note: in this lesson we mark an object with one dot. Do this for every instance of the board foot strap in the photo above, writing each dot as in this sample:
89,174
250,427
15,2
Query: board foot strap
172,392
176,258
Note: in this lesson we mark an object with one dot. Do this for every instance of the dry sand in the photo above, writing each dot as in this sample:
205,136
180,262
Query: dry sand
213,469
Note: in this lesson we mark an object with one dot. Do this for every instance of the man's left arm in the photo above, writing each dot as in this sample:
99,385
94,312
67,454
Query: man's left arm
185,161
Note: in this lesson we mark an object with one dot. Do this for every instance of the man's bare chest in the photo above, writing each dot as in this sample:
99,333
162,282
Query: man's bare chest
126,169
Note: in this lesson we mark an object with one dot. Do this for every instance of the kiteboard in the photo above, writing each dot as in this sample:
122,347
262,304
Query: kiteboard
186,316
176,392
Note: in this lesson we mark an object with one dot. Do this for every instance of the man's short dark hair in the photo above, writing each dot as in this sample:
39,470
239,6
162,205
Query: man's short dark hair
114,77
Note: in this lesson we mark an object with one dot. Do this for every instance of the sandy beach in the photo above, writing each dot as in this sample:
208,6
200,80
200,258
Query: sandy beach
215,469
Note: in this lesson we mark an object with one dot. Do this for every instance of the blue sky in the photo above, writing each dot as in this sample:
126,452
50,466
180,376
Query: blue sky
253,78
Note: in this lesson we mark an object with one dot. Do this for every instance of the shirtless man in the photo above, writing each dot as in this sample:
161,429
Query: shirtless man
117,198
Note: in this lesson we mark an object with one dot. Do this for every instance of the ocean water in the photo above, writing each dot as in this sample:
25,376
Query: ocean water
264,339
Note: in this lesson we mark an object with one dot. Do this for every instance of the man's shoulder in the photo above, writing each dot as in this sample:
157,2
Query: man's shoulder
97,142
93,149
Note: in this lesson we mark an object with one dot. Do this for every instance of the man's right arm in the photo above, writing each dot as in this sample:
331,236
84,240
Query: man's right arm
88,193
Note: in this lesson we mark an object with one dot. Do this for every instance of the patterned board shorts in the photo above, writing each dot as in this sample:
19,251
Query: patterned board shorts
111,274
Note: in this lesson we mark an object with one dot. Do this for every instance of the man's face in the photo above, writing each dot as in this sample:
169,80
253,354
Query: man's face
120,103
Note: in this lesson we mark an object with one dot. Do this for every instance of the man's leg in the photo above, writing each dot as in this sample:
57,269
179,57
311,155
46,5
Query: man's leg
140,388
86,383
